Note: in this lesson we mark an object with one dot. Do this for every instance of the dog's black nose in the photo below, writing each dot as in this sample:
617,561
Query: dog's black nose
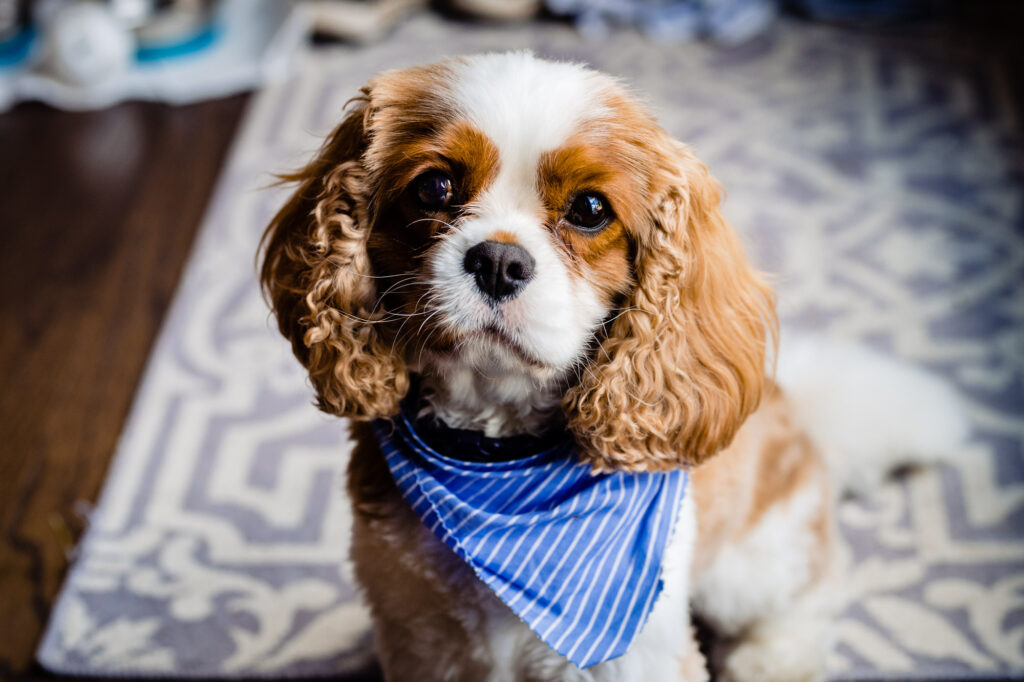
500,270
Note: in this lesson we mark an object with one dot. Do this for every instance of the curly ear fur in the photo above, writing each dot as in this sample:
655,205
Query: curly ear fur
684,364
317,275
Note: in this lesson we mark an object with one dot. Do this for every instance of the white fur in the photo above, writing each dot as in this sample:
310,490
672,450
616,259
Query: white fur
791,646
758,576
526,107
869,414
476,391
551,319
773,617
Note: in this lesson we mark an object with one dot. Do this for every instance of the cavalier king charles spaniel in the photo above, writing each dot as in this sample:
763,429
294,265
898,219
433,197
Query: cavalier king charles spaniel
554,351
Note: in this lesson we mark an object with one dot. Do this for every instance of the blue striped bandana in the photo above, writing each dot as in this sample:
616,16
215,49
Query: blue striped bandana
576,556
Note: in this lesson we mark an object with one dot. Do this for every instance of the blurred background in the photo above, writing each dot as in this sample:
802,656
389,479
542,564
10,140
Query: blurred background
872,152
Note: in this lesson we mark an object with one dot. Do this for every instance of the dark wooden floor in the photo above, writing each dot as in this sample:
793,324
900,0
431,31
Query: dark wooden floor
97,214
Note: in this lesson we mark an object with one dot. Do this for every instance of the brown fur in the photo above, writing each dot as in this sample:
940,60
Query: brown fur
686,358
568,171
770,460
317,274
327,247
389,540
672,378
503,237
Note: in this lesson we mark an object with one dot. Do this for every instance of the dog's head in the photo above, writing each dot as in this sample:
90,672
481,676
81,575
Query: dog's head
503,211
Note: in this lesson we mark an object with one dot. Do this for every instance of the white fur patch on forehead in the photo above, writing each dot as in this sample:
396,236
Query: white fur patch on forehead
524,104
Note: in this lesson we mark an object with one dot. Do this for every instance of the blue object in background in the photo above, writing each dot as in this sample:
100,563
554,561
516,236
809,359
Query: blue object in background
864,12
723,21
17,48
728,22
197,42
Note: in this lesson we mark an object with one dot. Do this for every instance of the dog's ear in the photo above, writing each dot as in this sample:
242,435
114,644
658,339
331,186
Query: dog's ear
317,274
683,363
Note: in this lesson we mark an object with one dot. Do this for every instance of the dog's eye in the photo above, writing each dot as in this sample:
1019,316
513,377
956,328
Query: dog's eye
434,190
588,211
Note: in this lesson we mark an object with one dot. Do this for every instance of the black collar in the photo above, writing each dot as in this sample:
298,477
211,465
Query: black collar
474,446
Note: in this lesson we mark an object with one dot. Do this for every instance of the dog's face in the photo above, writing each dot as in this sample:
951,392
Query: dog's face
507,214
501,189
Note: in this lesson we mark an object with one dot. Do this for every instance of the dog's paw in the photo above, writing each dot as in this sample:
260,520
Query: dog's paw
773,657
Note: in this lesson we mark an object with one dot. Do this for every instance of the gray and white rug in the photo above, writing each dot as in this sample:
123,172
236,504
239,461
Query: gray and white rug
881,183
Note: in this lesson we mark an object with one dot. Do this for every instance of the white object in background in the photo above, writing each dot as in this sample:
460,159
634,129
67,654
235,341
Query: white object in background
86,45
132,13
357,20
256,43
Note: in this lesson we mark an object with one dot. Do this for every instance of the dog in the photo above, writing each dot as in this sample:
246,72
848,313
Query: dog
503,254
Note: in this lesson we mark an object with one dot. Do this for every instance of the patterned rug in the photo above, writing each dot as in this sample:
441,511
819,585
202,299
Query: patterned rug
879,180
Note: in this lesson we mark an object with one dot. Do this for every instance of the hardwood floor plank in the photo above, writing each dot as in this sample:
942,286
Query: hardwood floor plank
97,214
